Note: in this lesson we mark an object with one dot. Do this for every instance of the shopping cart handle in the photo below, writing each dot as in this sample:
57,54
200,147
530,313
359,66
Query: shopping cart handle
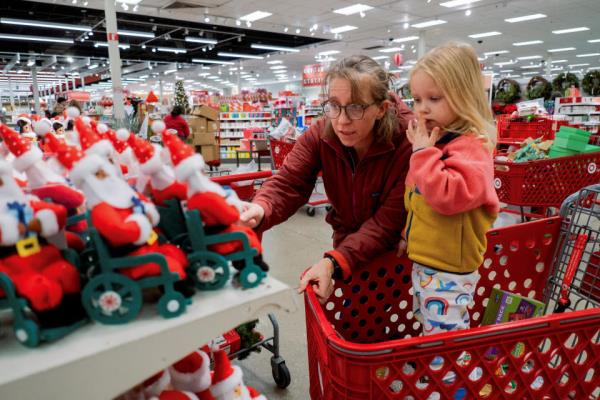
228,179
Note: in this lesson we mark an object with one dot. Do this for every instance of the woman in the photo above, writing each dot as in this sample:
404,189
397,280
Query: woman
176,121
361,148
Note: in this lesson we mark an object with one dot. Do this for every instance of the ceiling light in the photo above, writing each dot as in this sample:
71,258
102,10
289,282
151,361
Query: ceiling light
354,9
248,24
507,70
531,66
343,28
297,30
255,16
579,65
571,30
492,53
562,49
42,24
93,66
528,43
457,3
500,64
170,71
525,18
207,61
240,55
104,44
406,39
485,34
556,68
328,52
405,25
274,62
468,13
203,74
275,48
206,19
530,73
132,2
35,38
278,67
286,29
594,41
558,61
200,40
427,24
380,57
238,22
172,50
529,58
390,50
588,55
135,33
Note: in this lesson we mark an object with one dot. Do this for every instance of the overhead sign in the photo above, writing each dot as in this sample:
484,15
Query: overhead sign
313,75
78,95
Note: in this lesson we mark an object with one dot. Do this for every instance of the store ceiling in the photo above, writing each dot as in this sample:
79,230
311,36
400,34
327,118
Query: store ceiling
387,20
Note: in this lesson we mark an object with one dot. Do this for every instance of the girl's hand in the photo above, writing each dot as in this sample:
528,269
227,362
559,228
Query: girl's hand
319,276
252,215
401,248
419,137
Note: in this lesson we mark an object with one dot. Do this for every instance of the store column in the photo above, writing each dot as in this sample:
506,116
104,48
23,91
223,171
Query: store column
36,93
421,47
10,93
114,59
239,73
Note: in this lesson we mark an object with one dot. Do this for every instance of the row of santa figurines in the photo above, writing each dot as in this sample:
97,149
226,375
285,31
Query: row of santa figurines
43,184
191,378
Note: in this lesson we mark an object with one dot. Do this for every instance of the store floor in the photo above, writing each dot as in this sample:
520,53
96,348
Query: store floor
289,249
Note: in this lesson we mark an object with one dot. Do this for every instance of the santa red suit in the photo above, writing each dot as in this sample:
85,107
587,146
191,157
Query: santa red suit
123,217
38,271
228,382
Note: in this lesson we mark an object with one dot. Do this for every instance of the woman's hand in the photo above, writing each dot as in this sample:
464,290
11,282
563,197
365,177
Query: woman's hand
419,137
252,215
319,276
401,248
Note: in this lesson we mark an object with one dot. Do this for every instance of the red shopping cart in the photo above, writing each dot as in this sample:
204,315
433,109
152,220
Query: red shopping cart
279,151
243,184
364,344
511,131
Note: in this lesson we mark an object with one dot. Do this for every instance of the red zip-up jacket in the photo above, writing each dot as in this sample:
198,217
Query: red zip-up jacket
367,196
179,124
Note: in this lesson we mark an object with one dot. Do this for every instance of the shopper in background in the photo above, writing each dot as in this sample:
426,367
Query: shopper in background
175,120
450,195
60,107
362,150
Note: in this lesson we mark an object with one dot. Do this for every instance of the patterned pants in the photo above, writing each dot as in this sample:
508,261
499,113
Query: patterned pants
440,299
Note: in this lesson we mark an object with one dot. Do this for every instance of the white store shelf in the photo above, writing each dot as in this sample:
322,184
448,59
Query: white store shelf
102,361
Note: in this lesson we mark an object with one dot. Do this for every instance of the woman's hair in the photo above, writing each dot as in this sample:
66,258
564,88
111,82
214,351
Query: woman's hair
455,70
365,73
177,110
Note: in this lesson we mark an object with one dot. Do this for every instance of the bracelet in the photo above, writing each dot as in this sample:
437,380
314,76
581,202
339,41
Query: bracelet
337,270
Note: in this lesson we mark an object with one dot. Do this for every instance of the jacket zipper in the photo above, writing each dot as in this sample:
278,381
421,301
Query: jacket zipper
410,217
353,166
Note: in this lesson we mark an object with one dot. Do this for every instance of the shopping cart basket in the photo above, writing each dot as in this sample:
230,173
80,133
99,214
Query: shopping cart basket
511,131
243,184
279,151
363,344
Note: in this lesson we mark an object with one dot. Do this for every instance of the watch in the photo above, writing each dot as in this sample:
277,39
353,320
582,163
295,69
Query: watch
337,270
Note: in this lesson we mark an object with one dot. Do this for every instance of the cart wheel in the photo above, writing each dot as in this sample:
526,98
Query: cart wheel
172,305
27,333
328,208
251,276
209,273
281,373
310,211
112,299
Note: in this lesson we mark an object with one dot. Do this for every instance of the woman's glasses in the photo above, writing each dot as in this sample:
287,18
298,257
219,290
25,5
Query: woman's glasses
353,111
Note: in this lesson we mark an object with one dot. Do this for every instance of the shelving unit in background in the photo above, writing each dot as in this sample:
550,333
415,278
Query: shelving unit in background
232,125
583,112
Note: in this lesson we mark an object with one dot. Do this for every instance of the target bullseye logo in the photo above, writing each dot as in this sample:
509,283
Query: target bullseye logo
592,168
497,183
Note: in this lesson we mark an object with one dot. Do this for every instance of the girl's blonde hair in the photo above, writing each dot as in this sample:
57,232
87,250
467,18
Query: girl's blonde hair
455,70
358,70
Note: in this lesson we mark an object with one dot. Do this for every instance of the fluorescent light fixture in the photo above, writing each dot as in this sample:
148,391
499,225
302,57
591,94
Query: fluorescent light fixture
203,74
525,18
200,40
529,43
43,24
240,55
594,41
427,24
531,66
457,3
354,9
170,71
406,39
380,57
104,44
530,73
561,49
529,58
207,61
255,16
493,53
328,52
171,50
93,66
275,48
571,30
556,68
588,55
274,62
507,70
559,61
500,64
485,34
35,38
278,67
132,2
390,50
343,28
135,33
579,65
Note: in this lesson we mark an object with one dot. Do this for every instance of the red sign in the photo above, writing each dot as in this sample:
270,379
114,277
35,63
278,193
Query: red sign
313,75
78,95
112,36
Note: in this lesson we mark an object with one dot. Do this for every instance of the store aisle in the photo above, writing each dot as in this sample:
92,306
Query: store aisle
289,248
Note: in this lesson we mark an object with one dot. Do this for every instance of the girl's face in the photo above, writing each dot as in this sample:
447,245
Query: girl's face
430,102
357,133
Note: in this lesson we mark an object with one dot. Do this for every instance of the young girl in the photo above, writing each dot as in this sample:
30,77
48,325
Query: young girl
450,196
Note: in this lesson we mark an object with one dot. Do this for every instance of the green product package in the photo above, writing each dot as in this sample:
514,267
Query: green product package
505,306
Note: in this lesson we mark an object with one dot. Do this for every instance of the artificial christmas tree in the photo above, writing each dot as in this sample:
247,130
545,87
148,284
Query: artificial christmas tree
180,97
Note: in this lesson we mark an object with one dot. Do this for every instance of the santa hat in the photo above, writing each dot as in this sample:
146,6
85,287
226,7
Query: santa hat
157,383
119,139
184,159
254,394
25,118
175,395
90,141
147,154
81,166
226,376
42,127
26,155
192,372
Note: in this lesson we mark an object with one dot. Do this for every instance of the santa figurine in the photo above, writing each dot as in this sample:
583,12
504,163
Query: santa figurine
210,199
40,274
122,216
192,374
228,383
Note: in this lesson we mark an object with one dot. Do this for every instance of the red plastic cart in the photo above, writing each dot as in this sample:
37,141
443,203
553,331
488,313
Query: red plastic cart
515,132
279,151
243,184
363,344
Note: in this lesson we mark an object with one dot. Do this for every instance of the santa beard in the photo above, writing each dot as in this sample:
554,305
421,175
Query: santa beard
111,189
40,174
10,192
200,183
